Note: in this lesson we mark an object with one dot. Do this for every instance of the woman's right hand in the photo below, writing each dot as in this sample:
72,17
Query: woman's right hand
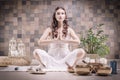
58,37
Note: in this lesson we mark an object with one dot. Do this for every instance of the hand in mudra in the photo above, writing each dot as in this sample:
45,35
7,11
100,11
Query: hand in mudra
59,36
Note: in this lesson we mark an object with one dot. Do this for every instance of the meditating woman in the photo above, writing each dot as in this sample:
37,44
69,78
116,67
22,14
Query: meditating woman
58,37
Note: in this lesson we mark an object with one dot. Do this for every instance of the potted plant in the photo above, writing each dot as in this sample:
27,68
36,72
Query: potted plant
94,41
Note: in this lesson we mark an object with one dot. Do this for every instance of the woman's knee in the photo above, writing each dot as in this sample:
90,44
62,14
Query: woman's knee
35,52
81,53
39,52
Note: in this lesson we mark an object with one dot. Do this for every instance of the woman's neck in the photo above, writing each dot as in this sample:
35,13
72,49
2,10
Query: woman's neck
60,24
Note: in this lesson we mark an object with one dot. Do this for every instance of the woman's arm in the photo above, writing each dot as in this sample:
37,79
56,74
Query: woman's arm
43,39
75,39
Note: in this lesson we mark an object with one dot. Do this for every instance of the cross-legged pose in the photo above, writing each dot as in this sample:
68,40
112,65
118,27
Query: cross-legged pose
58,37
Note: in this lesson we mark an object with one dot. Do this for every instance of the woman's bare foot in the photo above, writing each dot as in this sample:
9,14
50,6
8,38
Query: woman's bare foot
70,68
43,65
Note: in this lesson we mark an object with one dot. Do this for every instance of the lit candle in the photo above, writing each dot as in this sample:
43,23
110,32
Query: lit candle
87,59
103,60
92,60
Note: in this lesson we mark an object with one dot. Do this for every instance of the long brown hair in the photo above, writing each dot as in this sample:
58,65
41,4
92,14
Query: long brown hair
54,25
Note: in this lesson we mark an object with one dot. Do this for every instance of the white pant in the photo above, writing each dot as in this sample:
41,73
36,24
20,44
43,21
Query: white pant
52,63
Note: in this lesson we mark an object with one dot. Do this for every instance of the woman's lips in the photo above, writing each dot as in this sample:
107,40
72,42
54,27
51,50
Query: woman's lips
60,18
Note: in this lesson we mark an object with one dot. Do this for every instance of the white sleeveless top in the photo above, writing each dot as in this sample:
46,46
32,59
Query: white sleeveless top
59,50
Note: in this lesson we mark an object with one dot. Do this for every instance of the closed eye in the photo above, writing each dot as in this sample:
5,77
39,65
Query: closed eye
63,13
58,13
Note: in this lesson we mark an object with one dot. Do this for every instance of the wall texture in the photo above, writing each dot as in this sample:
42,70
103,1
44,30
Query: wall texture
27,19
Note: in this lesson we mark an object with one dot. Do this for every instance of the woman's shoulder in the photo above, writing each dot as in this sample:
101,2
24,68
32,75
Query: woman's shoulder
70,29
48,29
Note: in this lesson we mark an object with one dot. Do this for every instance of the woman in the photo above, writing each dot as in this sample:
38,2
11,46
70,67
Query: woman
58,36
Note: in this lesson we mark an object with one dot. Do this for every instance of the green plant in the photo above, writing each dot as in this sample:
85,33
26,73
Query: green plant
94,41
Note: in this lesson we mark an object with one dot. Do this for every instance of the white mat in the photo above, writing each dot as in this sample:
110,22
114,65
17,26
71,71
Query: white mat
25,68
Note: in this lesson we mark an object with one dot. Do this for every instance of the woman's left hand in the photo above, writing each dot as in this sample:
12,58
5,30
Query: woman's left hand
61,36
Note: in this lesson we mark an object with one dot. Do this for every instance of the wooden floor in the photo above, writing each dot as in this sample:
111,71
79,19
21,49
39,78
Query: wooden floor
22,75
53,76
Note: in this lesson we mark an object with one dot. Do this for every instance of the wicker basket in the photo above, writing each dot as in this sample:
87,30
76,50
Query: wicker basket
82,70
4,61
18,61
104,71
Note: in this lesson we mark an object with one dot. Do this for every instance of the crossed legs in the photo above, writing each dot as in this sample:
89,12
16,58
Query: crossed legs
80,54
37,57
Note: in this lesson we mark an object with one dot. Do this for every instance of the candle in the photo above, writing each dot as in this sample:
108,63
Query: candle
92,60
103,60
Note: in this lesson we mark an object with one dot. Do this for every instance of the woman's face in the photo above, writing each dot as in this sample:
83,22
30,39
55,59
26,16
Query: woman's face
60,15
